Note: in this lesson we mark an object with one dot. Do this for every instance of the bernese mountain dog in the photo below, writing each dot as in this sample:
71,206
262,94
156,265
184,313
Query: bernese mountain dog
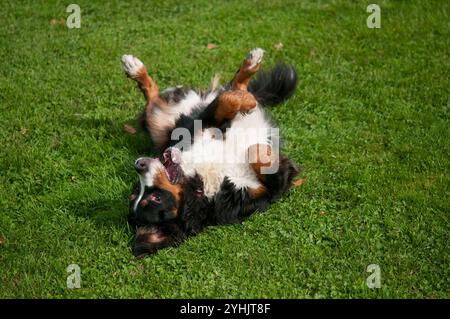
220,158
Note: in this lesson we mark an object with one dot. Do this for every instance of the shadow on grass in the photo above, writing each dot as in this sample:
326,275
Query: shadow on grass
102,210
138,143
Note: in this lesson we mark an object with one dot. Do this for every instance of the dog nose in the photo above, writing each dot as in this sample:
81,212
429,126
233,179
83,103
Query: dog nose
142,165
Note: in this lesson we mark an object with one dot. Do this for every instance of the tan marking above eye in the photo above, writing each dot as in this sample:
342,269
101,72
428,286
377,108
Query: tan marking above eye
256,192
174,211
156,238
159,123
143,203
150,235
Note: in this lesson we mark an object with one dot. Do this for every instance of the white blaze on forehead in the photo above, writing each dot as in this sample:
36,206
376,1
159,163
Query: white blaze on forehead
146,179
141,193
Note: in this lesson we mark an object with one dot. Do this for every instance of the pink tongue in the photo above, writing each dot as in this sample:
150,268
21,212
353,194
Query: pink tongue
166,156
168,166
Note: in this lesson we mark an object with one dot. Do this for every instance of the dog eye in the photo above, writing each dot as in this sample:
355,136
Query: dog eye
155,198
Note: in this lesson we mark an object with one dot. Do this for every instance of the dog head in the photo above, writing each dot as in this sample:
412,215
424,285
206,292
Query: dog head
159,193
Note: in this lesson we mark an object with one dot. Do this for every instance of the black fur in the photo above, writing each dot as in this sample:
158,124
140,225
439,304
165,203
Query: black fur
205,115
196,212
233,206
274,86
229,205
155,213
172,233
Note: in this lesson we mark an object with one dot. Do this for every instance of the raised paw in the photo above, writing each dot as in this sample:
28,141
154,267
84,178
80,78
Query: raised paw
132,65
249,67
254,59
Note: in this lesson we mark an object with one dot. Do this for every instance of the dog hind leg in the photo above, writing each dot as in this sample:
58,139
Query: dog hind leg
249,67
154,119
136,70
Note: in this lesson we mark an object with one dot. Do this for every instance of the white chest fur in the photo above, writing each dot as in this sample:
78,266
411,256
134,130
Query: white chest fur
216,158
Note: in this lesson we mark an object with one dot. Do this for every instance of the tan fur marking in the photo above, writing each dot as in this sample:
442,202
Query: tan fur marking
160,180
147,85
243,75
156,238
160,124
150,235
232,102
259,156
257,192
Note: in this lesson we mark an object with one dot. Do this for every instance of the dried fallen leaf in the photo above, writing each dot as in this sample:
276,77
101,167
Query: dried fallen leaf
2,241
129,129
62,21
53,21
55,141
211,46
279,46
299,182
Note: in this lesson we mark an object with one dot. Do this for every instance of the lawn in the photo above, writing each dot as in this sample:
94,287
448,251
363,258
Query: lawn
369,124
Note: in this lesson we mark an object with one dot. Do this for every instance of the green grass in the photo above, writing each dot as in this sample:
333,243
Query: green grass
369,123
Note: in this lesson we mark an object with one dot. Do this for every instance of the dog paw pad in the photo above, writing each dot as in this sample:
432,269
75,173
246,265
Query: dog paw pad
255,57
131,65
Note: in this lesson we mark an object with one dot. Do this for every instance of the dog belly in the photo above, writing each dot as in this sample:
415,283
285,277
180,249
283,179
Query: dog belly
216,158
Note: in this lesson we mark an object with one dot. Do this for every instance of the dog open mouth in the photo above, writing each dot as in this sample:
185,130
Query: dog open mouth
171,163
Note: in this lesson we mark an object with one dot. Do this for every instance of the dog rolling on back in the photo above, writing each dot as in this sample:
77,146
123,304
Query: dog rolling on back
220,160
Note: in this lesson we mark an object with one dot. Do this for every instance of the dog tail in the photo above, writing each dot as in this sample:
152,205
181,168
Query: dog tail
274,86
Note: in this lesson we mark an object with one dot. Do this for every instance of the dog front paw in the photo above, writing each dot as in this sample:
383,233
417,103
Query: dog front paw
254,59
132,65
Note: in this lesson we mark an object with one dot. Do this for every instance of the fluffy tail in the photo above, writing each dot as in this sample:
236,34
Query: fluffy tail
274,86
